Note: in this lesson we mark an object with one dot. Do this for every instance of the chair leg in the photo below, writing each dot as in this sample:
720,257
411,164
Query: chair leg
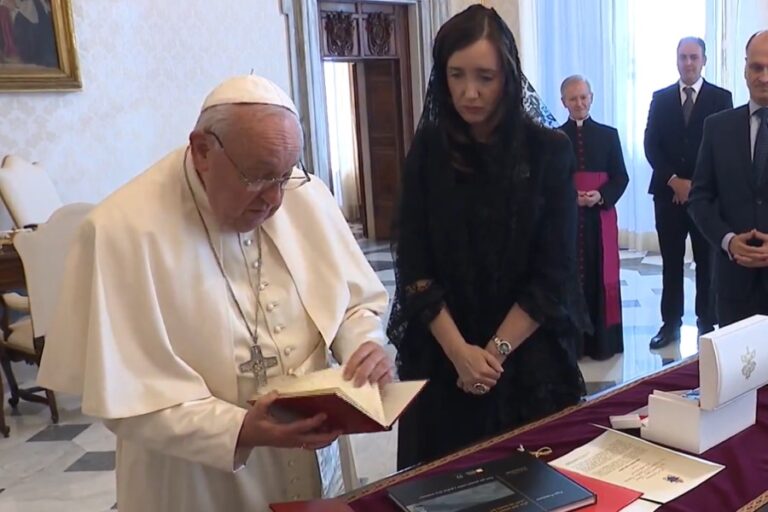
52,405
4,430
13,386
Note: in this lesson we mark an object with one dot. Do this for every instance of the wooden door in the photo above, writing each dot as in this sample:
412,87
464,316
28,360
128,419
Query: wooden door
385,141
375,37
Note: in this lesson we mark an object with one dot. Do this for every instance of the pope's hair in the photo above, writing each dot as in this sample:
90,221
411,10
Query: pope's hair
221,119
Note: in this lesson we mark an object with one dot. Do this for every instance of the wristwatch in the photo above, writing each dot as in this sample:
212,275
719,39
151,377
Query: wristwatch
503,347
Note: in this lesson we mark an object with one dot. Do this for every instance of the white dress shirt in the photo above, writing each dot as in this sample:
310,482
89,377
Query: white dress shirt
696,88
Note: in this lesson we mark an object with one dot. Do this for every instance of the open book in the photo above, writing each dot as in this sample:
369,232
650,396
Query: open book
352,410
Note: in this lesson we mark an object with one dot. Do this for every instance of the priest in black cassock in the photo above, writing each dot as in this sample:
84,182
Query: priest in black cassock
600,180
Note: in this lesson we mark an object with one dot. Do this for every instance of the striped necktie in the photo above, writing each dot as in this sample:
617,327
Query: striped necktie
687,104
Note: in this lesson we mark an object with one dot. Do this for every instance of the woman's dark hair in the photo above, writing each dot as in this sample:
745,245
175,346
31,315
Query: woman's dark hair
466,28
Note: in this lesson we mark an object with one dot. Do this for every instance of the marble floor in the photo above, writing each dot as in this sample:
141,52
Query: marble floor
70,466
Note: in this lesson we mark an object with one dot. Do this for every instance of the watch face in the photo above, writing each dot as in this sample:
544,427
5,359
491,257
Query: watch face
503,347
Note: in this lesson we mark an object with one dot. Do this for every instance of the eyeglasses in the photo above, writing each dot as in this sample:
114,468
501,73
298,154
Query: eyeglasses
289,182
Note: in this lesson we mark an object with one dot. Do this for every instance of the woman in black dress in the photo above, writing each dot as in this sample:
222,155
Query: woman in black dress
487,305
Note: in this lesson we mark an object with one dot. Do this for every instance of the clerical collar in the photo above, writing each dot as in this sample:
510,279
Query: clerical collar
580,122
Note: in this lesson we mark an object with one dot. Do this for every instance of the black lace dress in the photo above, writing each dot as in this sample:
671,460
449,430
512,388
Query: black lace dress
483,241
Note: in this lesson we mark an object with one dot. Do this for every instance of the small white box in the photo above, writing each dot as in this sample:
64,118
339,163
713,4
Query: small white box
682,424
733,364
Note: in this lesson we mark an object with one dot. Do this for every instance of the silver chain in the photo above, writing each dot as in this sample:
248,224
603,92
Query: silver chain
253,333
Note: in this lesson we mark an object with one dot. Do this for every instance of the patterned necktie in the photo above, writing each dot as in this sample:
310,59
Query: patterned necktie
760,159
687,104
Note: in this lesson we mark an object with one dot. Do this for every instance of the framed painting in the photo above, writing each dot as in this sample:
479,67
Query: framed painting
37,46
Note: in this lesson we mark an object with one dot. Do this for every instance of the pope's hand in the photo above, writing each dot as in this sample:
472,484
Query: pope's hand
261,428
371,363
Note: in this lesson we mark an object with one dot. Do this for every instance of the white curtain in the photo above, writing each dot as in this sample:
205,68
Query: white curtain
626,49
342,137
730,23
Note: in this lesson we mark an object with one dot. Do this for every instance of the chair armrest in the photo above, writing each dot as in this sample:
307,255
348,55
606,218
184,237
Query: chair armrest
16,302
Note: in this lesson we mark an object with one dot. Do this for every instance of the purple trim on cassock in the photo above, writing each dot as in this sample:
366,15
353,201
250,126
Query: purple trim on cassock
609,236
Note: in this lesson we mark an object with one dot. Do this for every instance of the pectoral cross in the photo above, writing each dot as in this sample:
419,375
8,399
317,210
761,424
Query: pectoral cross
258,365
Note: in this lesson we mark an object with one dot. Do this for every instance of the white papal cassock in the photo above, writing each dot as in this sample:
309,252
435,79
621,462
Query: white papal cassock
147,332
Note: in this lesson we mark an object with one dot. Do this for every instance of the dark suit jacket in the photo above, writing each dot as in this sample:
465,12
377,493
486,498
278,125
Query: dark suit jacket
725,197
670,146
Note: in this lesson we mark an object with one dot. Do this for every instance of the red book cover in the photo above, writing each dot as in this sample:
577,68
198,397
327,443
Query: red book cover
347,408
311,506
341,415
610,497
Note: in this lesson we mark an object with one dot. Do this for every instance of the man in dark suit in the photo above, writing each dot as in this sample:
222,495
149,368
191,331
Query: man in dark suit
729,200
672,139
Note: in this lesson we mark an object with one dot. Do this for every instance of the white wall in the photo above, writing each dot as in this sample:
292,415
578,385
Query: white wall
146,66
509,10
514,13
726,58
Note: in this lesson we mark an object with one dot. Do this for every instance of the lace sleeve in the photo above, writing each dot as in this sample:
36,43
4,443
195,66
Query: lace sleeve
418,295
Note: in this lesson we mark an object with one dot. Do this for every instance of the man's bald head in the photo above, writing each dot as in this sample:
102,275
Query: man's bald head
756,68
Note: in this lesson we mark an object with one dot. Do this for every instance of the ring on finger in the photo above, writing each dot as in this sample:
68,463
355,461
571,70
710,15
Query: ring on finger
480,388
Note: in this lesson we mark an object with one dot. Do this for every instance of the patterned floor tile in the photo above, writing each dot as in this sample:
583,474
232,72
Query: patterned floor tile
382,265
598,386
378,254
368,246
641,330
58,433
97,438
631,263
648,270
94,461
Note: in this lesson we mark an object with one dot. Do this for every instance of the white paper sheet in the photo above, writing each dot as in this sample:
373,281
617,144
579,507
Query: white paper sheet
659,473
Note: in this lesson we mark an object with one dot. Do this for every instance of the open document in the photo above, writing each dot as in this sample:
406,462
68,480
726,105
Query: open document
350,409
659,473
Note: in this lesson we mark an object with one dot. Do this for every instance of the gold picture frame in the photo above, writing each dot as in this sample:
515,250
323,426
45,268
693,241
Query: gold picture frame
37,46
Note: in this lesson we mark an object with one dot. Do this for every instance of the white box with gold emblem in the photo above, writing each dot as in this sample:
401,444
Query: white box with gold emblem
733,365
